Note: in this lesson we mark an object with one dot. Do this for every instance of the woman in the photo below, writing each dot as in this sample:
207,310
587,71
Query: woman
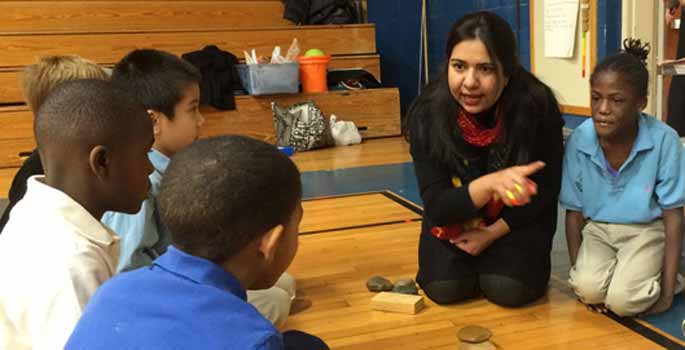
486,139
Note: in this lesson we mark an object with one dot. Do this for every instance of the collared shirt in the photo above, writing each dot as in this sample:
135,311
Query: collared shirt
651,178
143,235
53,256
180,302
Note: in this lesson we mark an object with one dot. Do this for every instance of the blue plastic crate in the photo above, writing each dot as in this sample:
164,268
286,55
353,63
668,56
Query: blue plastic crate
270,79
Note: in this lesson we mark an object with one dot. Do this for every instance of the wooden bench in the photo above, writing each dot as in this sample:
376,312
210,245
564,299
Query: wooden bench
104,31
10,78
251,117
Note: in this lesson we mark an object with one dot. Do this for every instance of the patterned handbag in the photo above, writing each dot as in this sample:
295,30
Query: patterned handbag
301,126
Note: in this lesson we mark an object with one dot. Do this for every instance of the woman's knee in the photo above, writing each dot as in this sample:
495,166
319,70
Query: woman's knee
452,291
507,291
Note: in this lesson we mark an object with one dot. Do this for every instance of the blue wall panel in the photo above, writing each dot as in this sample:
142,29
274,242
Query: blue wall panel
398,35
608,27
443,13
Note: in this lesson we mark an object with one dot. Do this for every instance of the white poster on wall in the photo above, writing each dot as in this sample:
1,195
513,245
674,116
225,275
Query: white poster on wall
561,18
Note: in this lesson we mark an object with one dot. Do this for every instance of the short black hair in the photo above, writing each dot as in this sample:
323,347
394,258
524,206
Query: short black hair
630,63
157,78
87,113
221,193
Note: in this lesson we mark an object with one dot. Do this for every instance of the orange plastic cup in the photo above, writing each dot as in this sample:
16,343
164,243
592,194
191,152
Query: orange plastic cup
313,73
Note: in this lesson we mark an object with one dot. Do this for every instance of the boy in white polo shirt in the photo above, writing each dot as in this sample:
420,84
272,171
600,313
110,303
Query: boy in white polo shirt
54,252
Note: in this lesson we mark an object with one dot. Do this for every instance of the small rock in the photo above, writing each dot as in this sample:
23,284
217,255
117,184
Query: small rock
378,284
486,345
474,334
406,286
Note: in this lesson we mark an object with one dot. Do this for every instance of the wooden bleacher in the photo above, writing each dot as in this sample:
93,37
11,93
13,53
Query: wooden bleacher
104,31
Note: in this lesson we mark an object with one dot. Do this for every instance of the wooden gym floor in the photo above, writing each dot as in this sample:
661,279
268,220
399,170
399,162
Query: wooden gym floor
345,240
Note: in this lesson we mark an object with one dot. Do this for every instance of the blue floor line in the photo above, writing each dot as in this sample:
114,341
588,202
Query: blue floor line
401,179
670,322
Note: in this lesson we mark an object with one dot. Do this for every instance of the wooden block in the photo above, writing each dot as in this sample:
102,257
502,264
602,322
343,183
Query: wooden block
396,302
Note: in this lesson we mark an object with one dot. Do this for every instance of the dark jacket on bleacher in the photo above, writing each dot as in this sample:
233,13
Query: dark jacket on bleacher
219,76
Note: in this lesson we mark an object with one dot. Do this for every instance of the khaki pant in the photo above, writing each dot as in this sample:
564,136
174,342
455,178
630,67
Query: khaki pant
274,303
620,266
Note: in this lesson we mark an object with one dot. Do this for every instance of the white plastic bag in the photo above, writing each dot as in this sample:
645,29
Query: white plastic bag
344,133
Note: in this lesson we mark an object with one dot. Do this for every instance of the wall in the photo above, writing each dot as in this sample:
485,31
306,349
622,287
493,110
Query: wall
398,30
640,21
564,75
443,13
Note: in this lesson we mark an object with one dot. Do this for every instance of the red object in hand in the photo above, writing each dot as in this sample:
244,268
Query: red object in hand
447,233
493,208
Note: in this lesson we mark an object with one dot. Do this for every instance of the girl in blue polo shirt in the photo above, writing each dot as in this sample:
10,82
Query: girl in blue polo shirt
623,193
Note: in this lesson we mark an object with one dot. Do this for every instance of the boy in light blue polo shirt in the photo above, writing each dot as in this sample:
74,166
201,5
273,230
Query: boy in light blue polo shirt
169,88
623,189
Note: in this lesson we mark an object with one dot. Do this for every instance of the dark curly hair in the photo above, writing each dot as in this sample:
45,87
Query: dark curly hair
630,63
221,193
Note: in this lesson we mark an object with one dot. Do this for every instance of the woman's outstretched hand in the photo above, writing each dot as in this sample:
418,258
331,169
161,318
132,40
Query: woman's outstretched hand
512,185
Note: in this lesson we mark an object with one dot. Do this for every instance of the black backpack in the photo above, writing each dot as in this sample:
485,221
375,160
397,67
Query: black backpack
324,11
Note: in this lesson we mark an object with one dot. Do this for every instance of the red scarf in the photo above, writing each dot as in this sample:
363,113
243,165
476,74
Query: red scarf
474,132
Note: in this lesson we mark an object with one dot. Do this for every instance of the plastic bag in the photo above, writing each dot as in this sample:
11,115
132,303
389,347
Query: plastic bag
344,133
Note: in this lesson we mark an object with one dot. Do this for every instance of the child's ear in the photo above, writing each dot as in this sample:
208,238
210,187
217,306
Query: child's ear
156,118
99,161
642,103
269,242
